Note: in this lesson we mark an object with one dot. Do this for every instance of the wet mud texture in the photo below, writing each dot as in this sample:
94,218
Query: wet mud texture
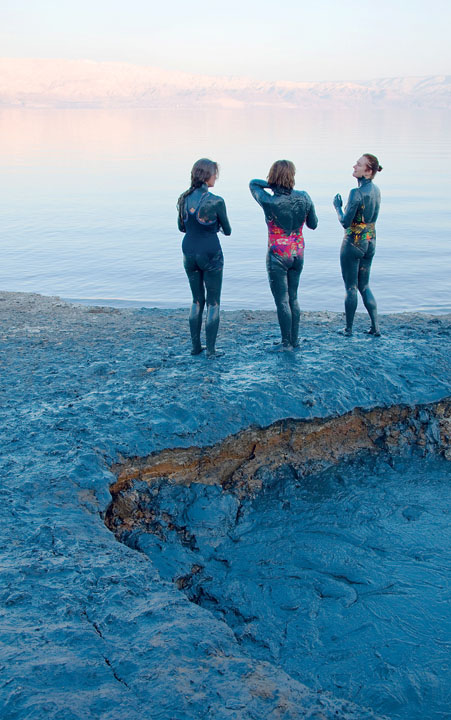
324,546
91,628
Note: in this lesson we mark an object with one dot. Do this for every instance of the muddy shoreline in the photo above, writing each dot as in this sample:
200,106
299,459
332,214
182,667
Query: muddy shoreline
90,630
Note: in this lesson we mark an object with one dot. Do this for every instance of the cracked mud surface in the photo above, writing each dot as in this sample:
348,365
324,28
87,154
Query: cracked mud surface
90,628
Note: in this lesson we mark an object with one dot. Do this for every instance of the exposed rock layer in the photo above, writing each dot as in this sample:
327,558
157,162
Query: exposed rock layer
305,445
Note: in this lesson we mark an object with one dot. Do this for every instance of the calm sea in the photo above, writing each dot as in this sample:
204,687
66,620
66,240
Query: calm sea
88,201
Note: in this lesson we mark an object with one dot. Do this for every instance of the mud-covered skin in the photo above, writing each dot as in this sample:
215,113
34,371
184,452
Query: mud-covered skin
358,248
209,210
288,210
204,216
283,276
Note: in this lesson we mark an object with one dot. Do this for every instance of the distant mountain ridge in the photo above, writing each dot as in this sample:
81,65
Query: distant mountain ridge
49,83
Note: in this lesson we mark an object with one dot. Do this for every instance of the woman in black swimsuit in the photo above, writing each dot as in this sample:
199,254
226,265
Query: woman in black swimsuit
200,216
359,243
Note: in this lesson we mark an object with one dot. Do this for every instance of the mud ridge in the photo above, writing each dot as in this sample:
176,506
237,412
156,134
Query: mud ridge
306,446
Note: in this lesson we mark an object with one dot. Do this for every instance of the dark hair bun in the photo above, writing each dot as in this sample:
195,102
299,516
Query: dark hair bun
373,164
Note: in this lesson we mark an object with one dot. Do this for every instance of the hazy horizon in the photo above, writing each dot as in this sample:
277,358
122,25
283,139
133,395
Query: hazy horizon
27,82
320,41
236,75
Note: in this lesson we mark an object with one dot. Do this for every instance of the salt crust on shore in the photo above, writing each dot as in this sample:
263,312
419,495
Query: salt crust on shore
88,628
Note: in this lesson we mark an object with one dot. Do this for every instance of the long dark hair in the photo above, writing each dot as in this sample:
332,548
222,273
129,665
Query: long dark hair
201,172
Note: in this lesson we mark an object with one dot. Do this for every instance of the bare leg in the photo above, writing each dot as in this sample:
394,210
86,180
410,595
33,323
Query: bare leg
195,277
350,261
213,284
195,325
278,282
367,296
293,275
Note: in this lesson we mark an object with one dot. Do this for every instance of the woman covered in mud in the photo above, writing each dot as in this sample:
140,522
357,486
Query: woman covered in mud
359,242
286,210
200,216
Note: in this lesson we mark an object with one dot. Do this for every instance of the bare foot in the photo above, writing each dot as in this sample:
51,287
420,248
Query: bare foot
281,347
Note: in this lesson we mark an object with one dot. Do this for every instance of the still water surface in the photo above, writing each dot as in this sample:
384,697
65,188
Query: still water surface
88,199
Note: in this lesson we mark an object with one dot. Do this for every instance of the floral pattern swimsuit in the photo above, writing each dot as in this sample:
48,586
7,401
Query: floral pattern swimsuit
359,233
286,246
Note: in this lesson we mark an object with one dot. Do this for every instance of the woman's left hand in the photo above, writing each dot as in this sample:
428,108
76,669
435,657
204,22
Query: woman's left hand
338,202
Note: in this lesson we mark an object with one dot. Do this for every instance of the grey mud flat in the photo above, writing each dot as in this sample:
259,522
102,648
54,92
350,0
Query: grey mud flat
89,628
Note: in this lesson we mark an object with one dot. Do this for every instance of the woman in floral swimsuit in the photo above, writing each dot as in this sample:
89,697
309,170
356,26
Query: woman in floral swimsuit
286,210
359,242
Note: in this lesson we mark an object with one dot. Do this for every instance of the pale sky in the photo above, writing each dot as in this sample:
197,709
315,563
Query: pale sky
288,40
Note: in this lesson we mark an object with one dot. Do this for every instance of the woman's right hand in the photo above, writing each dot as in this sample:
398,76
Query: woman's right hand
338,202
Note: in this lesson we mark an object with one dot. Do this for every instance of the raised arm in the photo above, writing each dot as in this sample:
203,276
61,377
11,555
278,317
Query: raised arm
354,200
258,189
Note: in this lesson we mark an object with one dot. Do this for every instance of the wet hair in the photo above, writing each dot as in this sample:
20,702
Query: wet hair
201,172
373,164
282,173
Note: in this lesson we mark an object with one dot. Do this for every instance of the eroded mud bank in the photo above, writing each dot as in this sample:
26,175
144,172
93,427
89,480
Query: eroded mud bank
92,629
306,445
322,544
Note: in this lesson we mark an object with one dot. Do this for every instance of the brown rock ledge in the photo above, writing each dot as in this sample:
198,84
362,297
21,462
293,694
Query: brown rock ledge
305,445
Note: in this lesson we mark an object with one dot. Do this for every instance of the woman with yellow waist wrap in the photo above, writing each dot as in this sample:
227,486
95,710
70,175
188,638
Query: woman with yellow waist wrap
359,243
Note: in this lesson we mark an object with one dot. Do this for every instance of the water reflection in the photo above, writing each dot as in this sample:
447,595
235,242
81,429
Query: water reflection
88,199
